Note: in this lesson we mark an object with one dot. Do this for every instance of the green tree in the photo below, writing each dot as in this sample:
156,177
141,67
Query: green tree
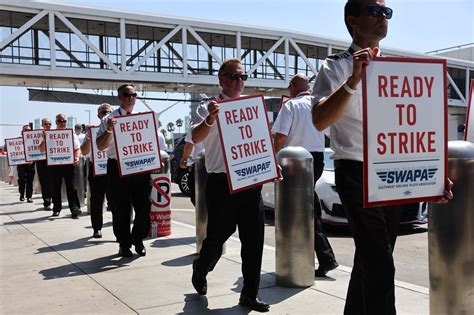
170,126
179,124
163,132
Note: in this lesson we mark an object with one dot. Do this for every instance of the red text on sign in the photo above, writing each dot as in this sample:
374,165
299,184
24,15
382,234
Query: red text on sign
415,86
239,115
406,142
248,149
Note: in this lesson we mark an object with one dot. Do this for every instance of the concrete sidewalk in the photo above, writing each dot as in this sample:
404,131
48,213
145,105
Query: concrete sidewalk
52,265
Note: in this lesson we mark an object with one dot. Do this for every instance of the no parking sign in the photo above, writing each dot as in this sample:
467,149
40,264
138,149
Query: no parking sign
160,214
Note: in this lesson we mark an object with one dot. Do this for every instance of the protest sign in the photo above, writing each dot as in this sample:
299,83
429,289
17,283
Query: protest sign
31,141
405,137
59,147
469,130
136,142
99,157
15,151
246,142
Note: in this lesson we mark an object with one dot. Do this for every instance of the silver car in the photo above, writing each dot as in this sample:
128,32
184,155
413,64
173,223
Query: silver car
332,211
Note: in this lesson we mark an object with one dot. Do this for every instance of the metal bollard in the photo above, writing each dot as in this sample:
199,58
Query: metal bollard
3,168
200,181
451,240
294,228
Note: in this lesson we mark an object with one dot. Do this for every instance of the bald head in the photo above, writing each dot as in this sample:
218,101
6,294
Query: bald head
299,83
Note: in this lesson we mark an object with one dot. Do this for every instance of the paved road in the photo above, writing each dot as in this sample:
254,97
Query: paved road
411,250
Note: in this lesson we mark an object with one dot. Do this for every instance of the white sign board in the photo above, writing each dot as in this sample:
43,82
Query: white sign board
469,131
136,142
405,133
246,142
15,151
31,141
59,147
99,157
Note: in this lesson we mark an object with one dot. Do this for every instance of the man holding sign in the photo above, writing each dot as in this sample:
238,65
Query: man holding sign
227,211
55,143
26,173
338,103
97,182
125,192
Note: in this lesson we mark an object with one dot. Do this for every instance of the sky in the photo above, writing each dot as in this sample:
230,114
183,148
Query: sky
416,25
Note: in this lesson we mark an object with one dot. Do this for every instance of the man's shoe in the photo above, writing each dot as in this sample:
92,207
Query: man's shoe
140,248
323,270
75,213
29,200
22,198
199,280
255,304
125,252
97,234
47,208
55,213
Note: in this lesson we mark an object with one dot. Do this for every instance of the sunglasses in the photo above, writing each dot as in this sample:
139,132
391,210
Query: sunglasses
61,121
105,112
127,95
376,11
47,124
236,76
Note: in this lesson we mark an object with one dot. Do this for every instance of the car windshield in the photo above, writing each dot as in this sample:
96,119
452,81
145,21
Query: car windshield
328,163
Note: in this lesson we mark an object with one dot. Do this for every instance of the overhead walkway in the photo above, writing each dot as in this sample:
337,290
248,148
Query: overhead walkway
52,45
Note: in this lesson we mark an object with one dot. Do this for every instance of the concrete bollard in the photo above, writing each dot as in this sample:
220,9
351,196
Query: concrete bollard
451,238
294,228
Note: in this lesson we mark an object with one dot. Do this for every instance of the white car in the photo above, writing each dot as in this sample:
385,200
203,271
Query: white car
332,211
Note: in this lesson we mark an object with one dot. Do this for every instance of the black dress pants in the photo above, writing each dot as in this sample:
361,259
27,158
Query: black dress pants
26,173
66,172
372,284
225,213
45,181
322,247
125,192
98,189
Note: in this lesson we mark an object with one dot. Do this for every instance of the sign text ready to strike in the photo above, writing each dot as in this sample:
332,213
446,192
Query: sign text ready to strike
405,140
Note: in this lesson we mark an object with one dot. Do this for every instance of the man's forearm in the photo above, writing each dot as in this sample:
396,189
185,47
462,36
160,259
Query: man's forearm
330,110
103,141
200,132
86,146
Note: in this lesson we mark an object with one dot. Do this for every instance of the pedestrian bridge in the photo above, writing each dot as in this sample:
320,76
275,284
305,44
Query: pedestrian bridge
52,45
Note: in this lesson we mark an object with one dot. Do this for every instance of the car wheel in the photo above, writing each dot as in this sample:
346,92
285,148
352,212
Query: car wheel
183,183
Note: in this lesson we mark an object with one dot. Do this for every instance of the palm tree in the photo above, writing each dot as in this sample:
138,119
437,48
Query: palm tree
170,126
163,132
179,124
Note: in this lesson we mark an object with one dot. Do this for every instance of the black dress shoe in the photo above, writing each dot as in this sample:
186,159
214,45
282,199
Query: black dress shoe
255,304
140,248
323,270
75,213
97,234
55,213
22,198
125,252
199,280
29,200
47,208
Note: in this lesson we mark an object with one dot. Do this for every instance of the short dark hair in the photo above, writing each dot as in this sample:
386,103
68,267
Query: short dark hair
227,63
352,8
120,88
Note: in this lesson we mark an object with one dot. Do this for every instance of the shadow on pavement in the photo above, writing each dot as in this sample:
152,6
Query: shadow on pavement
79,243
163,243
98,265
196,304
180,261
